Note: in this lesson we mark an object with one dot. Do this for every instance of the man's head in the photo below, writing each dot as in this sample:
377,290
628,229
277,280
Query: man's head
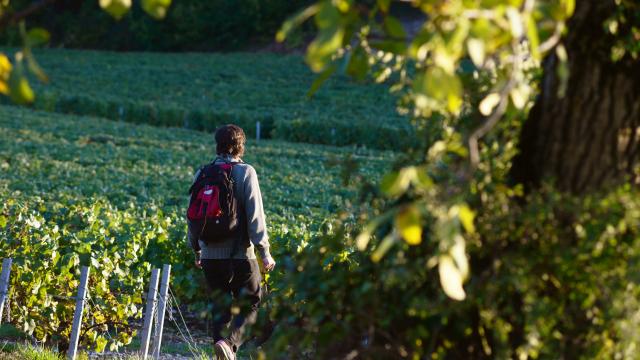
230,140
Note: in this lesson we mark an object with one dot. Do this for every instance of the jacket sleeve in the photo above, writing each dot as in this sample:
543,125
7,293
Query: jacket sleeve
256,223
192,236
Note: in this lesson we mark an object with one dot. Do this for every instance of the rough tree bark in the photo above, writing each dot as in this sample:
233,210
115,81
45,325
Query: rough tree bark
589,138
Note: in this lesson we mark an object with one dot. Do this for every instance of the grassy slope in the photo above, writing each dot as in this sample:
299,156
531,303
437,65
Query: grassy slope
201,91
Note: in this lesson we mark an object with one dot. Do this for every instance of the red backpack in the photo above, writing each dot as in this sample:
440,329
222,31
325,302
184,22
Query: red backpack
213,208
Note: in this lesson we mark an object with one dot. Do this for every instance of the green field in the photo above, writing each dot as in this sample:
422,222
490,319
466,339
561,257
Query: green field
82,190
202,91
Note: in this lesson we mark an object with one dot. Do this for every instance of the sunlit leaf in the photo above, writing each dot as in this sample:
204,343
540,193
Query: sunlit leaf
450,278
20,91
444,59
459,256
515,22
423,180
568,6
5,72
362,240
409,225
562,69
323,47
475,47
397,182
441,86
519,96
383,247
329,38
116,8
156,8
101,344
466,218
489,103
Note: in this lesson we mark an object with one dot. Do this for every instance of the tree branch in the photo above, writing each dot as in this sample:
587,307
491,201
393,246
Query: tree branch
115,323
12,18
482,130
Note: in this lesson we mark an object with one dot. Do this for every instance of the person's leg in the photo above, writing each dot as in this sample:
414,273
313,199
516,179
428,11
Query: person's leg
217,274
247,293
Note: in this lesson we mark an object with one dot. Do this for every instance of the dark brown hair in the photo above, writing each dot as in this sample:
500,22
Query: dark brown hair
230,140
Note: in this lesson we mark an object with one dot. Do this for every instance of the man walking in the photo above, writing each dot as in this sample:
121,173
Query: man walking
226,221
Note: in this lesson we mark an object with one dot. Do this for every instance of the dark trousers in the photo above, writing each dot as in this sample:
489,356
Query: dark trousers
235,295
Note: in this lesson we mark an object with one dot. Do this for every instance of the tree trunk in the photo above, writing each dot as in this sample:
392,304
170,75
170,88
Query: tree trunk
590,137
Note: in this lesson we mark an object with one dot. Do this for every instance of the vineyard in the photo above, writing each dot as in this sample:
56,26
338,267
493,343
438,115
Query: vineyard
202,91
88,191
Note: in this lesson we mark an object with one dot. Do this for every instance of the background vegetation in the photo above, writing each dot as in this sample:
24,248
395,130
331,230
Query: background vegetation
195,25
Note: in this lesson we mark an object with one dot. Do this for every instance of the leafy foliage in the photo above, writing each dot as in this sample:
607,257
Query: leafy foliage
128,25
540,283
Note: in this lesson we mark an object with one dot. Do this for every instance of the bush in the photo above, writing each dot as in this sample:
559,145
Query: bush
196,25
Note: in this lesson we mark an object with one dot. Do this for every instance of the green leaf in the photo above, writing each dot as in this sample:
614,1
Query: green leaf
3,221
116,8
392,46
34,67
156,8
328,16
384,5
295,21
101,344
397,182
441,86
38,36
393,28
532,35
20,91
321,79
358,66
320,51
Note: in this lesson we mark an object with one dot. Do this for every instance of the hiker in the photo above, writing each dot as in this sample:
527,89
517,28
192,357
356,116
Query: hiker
226,221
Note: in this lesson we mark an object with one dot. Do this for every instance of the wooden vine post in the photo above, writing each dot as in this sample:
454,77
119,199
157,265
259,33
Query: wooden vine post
152,297
77,317
4,283
258,130
162,308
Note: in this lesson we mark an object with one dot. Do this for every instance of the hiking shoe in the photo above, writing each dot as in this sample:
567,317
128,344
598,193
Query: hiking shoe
223,351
